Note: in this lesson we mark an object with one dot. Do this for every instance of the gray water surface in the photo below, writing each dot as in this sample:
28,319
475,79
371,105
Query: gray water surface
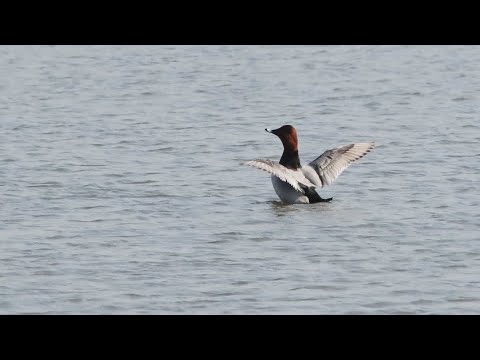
122,189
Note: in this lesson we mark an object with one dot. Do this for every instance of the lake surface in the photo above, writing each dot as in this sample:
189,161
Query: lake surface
122,189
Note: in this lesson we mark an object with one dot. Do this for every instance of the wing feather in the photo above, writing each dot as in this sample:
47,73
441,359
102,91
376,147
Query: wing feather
332,163
295,178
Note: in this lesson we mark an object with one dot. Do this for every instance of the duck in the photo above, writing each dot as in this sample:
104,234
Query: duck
297,184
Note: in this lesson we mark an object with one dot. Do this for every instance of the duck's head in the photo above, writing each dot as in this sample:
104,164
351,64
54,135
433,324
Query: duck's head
288,135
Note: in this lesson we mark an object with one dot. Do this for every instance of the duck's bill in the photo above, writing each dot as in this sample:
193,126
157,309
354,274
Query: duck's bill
268,130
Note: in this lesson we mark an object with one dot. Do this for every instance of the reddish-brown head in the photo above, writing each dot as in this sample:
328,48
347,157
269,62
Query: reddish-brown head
288,135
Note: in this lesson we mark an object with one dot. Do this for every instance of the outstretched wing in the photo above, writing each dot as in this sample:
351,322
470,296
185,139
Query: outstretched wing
327,167
293,177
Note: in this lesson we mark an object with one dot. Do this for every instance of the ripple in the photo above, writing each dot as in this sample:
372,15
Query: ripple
48,184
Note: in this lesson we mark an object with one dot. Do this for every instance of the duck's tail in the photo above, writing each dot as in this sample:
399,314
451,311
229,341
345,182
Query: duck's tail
313,196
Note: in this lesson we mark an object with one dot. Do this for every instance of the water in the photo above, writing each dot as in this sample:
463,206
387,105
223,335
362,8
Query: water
121,188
